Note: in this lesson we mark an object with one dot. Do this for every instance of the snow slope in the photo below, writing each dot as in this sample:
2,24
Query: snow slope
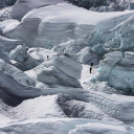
60,126
21,7
45,27
118,106
59,70
45,83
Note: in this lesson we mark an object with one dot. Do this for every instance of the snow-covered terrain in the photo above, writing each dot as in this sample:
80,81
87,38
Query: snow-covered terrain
46,49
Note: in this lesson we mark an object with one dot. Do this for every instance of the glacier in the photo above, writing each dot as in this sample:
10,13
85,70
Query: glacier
46,49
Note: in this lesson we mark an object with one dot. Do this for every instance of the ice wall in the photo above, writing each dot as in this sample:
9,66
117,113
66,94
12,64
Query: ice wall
118,70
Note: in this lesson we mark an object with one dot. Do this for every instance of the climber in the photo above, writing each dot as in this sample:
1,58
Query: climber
91,66
47,57
1,31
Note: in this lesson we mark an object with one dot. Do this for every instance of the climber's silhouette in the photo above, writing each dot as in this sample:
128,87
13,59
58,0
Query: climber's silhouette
47,57
91,66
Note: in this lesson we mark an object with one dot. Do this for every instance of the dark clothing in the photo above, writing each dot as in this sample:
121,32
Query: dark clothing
90,70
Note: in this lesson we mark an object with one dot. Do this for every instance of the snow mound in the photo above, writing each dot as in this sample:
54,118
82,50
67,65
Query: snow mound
55,24
8,24
21,7
34,57
99,128
118,70
78,50
38,107
66,126
118,106
27,109
19,75
79,109
59,70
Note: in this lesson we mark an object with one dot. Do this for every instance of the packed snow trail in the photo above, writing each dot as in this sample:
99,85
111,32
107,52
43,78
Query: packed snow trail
86,76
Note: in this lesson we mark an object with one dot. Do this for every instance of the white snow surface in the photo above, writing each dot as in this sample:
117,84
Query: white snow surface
63,22
22,7
73,14
45,67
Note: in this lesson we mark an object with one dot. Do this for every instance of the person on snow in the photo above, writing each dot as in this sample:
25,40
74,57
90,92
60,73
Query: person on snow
91,66
47,57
